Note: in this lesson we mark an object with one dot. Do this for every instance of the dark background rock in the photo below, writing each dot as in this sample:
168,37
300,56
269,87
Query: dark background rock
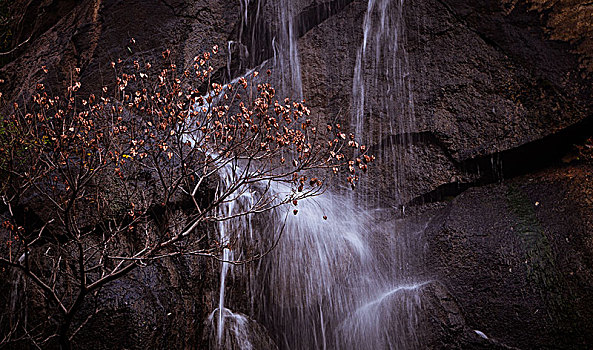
516,258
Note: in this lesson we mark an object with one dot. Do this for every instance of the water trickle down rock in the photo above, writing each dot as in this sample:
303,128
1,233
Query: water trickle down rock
381,91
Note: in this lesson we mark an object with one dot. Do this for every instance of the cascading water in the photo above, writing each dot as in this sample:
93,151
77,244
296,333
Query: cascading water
229,232
269,32
332,284
381,91
340,277
287,54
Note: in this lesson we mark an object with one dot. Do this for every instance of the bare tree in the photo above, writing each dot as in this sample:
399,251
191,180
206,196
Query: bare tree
139,172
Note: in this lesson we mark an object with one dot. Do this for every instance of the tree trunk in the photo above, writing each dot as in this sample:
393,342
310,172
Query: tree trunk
63,334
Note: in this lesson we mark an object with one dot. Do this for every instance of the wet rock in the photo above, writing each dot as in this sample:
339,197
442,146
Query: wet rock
515,261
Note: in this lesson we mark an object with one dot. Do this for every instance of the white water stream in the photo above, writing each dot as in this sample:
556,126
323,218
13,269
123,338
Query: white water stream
382,90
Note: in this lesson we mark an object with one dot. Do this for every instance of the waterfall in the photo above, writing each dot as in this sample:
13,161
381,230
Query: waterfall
381,91
342,276
334,283
268,31
237,329
230,232
287,54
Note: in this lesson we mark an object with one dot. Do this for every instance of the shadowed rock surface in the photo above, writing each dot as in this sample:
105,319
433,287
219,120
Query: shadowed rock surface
525,247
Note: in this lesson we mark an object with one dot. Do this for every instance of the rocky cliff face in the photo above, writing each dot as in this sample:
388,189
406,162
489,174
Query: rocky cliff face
500,91
525,247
